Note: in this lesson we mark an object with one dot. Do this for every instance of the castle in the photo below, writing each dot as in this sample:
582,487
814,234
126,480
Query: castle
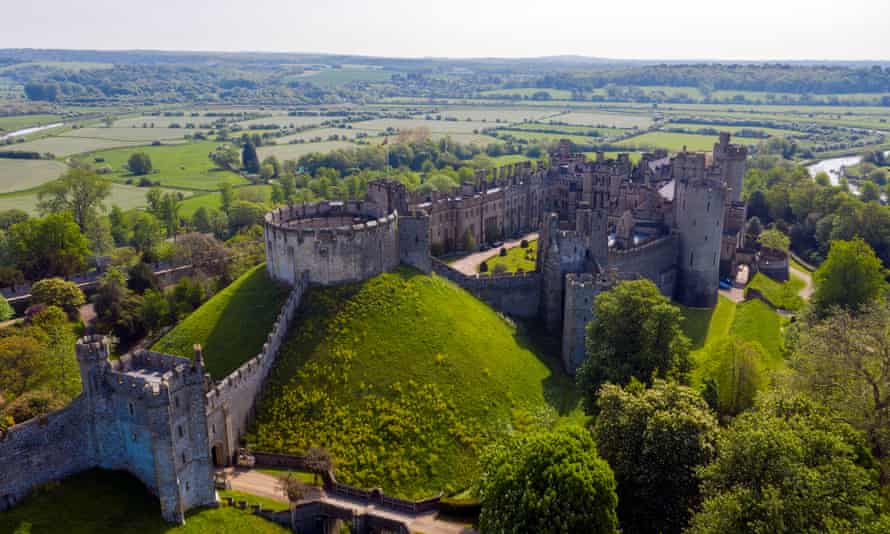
676,221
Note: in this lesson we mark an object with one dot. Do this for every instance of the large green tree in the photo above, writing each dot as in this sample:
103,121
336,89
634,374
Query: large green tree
139,163
654,440
547,483
789,467
734,376
57,292
249,158
79,191
851,277
635,333
844,361
51,246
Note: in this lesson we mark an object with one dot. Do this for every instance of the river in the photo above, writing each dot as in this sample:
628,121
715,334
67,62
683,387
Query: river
834,167
28,131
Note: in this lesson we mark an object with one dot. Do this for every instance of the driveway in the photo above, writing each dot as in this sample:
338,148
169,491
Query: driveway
468,264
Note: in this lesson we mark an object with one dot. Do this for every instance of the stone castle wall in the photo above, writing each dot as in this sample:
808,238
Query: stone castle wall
517,295
314,238
231,402
655,260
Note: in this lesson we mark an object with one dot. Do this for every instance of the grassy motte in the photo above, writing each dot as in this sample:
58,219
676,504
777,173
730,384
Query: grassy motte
111,501
404,378
232,326
516,258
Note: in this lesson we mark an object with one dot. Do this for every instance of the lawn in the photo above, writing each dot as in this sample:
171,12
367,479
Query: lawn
673,142
20,174
296,151
516,258
406,405
752,321
109,501
267,503
184,166
782,294
232,326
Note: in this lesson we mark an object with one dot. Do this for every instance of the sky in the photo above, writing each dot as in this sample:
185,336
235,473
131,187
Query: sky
628,29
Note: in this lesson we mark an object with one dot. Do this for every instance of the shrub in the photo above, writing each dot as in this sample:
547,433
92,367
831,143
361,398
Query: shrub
500,268
524,243
503,252
57,292
483,267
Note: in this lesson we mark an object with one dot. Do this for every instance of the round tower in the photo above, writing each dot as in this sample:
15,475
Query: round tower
699,205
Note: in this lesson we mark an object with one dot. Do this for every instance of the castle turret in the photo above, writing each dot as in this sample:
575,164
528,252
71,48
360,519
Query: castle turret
698,215
732,161
580,292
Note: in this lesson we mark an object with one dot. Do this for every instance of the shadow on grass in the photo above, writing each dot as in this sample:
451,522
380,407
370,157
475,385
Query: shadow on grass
559,387
696,323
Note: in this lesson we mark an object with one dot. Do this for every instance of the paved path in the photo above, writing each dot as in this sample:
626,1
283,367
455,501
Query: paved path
264,485
807,291
468,264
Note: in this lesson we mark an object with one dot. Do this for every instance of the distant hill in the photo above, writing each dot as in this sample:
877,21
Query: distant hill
404,378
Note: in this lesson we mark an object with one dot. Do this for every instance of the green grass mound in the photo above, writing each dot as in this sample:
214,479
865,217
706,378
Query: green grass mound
783,294
110,501
404,378
232,326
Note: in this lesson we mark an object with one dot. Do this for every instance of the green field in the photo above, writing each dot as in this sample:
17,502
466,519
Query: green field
335,77
673,142
232,326
214,199
752,321
516,258
19,122
528,92
99,501
21,174
185,166
284,152
783,294
68,146
405,405
605,119
493,114
125,196
565,128
775,132
552,137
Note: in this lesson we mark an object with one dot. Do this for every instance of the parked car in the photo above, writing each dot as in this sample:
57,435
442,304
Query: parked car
245,459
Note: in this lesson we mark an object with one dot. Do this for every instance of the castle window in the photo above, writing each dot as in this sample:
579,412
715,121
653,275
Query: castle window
134,436
179,430
213,429
187,488
176,401
132,409
183,457
691,257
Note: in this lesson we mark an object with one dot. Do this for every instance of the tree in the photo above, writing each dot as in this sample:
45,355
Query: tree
244,214
79,191
226,157
21,364
844,361
654,440
288,188
206,253
6,311
227,197
249,158
51,246
141,278
147,232
789,466
735,376
57,292
635,333
120,226
117,309
293,487
139,164
98,233
8,218
869,192
318,461
850,277
469,241
775,240
51,327
155,310
547,483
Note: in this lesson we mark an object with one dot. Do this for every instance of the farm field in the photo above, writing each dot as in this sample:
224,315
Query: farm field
159,121
21,174
214,199
125,196
405,405
337,77
494,113
232,326
565,128
731,128
114,501
11,124
323,133
68,146
527,92
435,126
285,121
186,166
674,142
606,119
143,135
552,137
295,151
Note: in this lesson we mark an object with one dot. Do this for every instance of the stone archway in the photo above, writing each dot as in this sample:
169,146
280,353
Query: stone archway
219,456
